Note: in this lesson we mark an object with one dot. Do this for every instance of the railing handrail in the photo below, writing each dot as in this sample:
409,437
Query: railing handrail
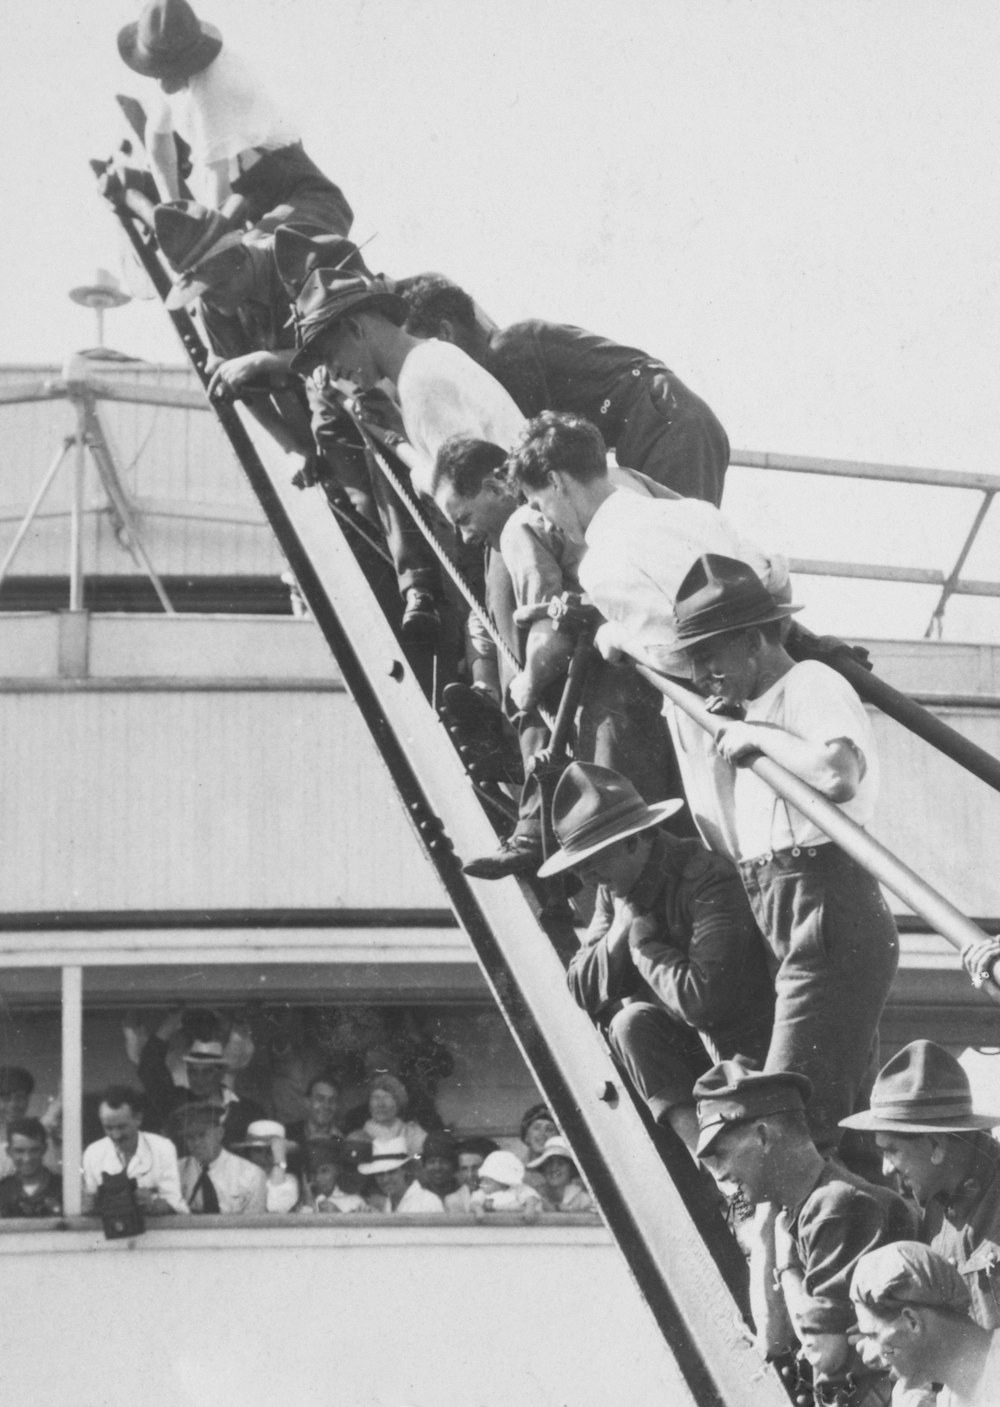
871,854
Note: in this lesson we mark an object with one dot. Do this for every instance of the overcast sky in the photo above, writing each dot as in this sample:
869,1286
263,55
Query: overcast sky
794,204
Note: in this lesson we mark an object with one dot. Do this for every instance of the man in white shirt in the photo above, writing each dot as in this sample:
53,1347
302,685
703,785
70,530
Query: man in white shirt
394,1169
149,1160
246,156
353,326
212,1178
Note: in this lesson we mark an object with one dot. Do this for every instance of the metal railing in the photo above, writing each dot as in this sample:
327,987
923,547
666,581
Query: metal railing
951,583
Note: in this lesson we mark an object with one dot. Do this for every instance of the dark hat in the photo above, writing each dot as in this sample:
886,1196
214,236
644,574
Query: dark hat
329,295
189,236
537,1111
440,1145
15,1079
720,594
736,1092
594,807
907,1272
297,254
169,41
322,1151
922,1089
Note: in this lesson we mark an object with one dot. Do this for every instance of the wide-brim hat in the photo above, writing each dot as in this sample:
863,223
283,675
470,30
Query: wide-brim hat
297,253
922,1089
721,594
327,297
190,236
261,1132
205,1053
169,41
736,1092
388,1154
554,1147
594,807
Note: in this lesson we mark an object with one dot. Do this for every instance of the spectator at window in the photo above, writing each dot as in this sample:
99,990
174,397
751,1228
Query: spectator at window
323,1098
439,1172
205,1068
502,1188
393,1167
387,1102
31,1189
213,1180
266,1145
16,1088
472,1152
148,1159
537,1127
323,1192
562,1189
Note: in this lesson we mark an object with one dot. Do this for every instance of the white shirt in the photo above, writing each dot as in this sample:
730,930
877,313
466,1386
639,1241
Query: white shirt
640,549
239,1184
443,392
816,703
153,1166
415,1200
223,111
282,1196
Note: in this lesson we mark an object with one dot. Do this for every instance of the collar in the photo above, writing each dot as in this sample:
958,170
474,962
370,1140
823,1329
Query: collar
665,866
983,1170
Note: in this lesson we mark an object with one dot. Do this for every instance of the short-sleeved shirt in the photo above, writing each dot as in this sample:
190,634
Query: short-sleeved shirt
153,1167
816,703
837,1222
964,1227
443,392
638,553
222,111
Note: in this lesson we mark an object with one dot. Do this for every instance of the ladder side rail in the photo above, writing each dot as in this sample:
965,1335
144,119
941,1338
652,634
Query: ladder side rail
666,1250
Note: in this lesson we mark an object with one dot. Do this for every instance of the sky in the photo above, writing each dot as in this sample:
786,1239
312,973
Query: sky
793,203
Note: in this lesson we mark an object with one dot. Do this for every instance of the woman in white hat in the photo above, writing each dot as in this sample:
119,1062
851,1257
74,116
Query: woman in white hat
562,1189
393,1167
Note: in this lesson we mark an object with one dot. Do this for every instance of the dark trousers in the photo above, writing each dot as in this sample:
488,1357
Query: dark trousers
836,950
620,726
286,187
663,1058
672,436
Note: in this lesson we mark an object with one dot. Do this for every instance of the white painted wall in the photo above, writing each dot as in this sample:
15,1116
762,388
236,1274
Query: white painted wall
376,1316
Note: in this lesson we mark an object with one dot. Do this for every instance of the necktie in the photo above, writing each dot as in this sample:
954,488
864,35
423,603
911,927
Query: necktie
205,1187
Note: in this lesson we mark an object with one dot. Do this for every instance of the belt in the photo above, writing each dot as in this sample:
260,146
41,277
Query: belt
791,859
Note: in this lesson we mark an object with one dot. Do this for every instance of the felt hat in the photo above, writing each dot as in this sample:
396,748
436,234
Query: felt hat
922,1089
555,1147
189,236
15,1079
169,41
536,1111
593,807
720,594
388,1154
321,1152
297,254
205,1053
440,1145
908,1272
329,295
737,1092
503,1166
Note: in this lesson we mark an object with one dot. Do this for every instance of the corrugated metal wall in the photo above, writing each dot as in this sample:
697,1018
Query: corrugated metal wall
183,800
162,453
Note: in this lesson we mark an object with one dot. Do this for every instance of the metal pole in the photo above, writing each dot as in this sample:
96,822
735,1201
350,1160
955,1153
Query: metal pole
870,853
33,508
76,513
913,716
72,1087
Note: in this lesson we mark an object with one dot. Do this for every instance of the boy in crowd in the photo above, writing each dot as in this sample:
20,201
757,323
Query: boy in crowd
31,1190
